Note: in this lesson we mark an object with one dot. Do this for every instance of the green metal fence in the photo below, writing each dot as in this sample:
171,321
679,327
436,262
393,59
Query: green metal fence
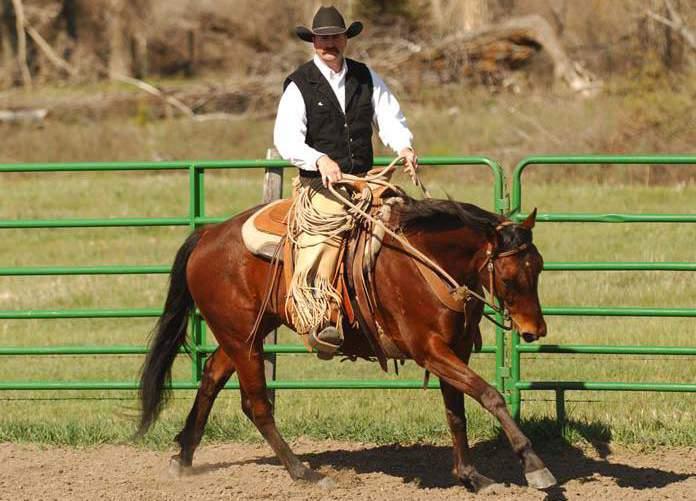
200,348
515,385
508,350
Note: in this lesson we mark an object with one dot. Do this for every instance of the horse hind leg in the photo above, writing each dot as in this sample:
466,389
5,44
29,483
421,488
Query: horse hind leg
217,371
257,407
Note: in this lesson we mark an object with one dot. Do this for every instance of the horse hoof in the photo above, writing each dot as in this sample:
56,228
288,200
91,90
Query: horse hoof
540,479
176,469
327,483
311,476
475,482
492,489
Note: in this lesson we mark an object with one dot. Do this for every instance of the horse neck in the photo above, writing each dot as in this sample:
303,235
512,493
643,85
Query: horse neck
459,250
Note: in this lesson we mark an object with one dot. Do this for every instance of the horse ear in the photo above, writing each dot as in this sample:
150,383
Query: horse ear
531,219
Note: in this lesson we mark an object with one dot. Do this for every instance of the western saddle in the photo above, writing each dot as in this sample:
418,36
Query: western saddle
264,234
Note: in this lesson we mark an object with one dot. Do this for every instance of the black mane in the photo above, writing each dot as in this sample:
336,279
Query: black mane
422,213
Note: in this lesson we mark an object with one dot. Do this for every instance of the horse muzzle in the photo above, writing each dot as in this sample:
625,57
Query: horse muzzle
531,335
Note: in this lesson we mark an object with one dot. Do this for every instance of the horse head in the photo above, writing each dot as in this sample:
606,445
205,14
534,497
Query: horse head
511,271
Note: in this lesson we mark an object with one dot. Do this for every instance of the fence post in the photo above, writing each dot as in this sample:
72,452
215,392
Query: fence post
272,190
560,410
515,376
196,210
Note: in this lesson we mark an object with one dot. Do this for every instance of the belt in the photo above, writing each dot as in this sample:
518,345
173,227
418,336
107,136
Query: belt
311,174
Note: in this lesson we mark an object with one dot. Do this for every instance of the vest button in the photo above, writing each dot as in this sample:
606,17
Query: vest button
345,125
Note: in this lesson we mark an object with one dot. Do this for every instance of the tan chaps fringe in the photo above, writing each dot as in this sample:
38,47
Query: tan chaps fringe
316,229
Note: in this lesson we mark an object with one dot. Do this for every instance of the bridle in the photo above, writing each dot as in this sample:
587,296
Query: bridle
489,263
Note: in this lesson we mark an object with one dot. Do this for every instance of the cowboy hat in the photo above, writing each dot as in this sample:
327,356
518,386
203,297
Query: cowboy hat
328,21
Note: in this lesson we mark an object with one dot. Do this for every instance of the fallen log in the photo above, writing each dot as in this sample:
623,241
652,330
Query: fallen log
23,116
494,49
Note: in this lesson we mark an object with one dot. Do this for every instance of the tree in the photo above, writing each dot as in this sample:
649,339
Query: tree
8,40
21,43
460,15
475,14
119,51
671,20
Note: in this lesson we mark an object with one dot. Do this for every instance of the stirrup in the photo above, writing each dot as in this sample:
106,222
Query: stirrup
326,342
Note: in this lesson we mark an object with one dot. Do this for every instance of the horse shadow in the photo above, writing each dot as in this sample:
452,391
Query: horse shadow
429,466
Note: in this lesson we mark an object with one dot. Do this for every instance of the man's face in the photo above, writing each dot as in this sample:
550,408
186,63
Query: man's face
330,48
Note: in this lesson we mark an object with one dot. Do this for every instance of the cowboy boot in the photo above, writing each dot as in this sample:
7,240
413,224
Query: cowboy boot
326,342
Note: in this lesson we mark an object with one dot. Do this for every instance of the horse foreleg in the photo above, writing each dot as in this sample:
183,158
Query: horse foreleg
217,371
257,407
463,469
444,363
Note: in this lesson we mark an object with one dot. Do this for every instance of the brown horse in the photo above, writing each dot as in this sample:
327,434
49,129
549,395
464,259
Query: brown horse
214,271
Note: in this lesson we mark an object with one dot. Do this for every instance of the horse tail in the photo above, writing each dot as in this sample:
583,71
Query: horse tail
166,338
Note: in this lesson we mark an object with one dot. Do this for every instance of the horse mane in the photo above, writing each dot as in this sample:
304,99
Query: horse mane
426,213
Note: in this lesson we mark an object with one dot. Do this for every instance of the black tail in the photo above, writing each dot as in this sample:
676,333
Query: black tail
167,337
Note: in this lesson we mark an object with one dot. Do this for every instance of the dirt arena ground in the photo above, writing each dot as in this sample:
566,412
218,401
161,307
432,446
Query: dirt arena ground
361,471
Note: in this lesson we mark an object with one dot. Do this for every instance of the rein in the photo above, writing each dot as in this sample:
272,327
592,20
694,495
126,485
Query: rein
460,293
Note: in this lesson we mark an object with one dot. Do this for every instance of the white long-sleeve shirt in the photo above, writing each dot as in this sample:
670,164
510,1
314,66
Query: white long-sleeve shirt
290,131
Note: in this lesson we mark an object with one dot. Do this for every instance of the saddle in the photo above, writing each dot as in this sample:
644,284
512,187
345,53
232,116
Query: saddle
263,234
264,230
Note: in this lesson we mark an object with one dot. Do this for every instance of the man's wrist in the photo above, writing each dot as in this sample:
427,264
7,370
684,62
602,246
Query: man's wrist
316,164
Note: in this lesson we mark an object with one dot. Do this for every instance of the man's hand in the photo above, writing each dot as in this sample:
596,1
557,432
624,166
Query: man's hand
410,162
329,170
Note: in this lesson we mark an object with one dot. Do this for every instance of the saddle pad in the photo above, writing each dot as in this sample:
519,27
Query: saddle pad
263,231
273,217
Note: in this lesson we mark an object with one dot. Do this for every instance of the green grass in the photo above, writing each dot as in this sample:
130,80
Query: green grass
83,418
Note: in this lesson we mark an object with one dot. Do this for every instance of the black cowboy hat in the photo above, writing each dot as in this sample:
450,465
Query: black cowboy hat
328,21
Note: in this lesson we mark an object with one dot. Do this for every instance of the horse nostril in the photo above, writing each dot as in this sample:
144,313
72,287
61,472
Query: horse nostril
529,337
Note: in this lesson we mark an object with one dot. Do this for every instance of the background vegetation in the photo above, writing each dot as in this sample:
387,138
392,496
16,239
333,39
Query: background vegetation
237,37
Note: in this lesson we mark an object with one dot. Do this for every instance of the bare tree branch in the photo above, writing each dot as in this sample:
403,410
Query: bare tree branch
50,54
176,103
559,15
676,22
661,19
151,89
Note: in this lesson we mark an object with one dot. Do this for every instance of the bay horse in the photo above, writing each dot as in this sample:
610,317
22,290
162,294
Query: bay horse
215,272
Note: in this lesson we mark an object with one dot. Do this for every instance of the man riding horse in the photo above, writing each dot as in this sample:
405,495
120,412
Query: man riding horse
324,127
438,257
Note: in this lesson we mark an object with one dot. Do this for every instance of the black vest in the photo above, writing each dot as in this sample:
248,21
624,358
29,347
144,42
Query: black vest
346,138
